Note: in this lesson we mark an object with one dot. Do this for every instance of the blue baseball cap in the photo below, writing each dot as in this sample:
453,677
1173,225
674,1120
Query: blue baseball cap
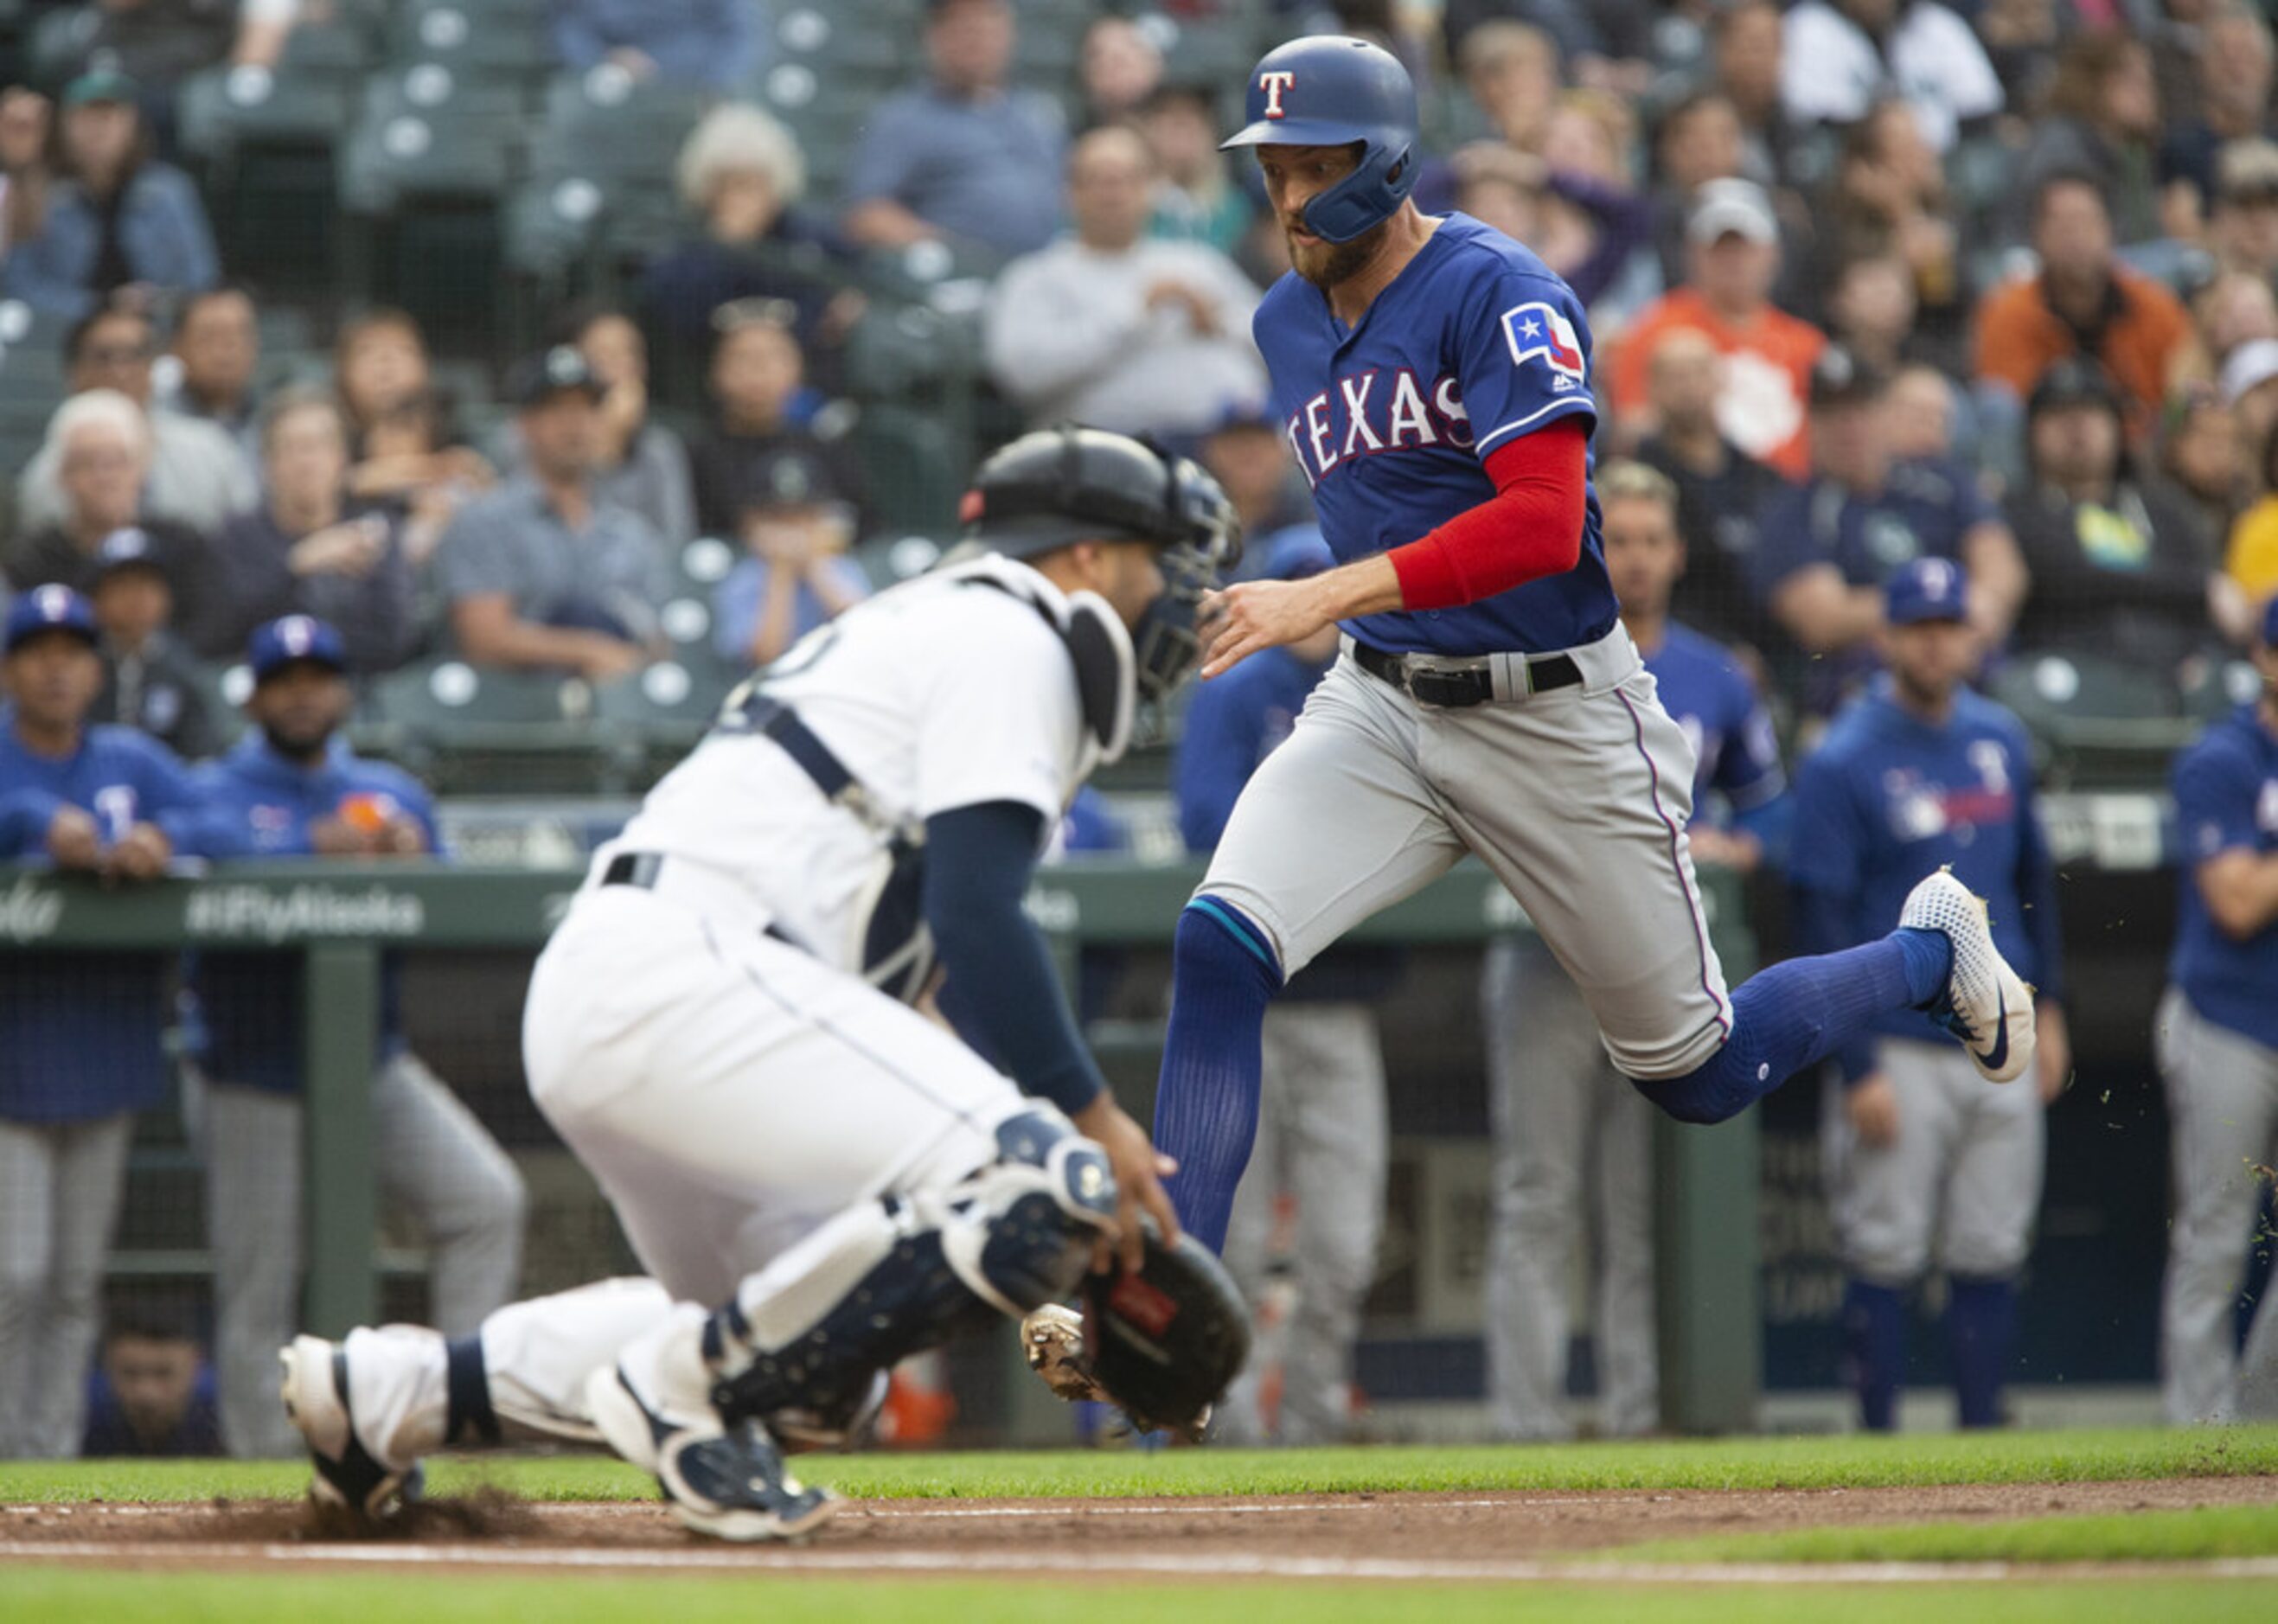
292,641
50,608
1927,589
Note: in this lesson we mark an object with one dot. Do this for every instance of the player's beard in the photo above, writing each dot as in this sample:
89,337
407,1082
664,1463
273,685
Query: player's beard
1326,264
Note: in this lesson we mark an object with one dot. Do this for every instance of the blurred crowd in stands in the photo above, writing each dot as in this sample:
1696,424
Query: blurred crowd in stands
2035,243
1868,281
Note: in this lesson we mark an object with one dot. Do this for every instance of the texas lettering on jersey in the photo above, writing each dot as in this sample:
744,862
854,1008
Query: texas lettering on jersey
1354,419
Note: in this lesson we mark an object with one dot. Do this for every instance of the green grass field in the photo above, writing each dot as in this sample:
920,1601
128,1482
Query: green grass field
1850,1461
47,1594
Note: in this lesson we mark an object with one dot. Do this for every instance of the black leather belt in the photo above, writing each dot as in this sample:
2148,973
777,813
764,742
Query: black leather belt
1455,689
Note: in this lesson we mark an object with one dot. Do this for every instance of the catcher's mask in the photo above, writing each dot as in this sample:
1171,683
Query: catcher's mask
1056,487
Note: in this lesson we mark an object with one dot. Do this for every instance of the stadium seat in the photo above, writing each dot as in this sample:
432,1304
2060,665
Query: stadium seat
501,40
913,468
840,42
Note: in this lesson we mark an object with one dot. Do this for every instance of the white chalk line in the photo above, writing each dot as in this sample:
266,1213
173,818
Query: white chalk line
1089,1563
1201,1566
884,1510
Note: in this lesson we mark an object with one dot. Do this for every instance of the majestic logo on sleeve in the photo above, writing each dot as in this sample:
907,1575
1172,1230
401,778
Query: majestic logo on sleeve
1535,331
1273,85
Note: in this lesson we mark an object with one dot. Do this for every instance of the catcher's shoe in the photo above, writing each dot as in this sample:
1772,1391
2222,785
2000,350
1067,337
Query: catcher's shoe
1985,1003
315,1389
729,1481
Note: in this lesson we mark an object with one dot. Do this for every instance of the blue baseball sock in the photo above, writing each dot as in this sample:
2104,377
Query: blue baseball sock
1223,974
1875,1344
1981,1328
1795,1014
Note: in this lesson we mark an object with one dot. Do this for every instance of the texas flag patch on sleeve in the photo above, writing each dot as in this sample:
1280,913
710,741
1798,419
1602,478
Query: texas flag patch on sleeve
1537,332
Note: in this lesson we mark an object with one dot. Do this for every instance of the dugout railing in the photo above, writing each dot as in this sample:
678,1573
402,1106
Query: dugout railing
339,919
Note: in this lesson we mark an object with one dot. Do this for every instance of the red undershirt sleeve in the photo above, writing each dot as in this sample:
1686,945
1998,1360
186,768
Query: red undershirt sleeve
1530,527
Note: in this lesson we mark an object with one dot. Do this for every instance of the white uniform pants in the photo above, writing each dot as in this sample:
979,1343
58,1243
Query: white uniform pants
1573,1151
1321,1139
730,1092
431,1157
1575,799
2223,1120
59,1190
1965,1171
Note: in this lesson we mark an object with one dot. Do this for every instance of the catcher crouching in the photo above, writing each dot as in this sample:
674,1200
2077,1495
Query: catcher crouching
818,1180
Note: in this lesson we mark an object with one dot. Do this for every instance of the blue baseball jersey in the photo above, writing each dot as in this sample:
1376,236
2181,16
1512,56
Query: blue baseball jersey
1886,799
81,1033
243,1033
1708,695
2227,797
1475,343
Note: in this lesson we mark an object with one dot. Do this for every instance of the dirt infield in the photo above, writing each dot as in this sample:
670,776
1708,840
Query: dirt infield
1485,1536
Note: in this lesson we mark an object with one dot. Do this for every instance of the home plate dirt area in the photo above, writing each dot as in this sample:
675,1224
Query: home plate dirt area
1449,1535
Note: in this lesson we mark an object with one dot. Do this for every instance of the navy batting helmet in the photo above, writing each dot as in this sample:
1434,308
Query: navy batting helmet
1329,90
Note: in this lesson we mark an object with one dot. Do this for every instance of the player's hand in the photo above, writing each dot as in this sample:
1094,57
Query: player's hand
608,659
1140,1170
1252,616
1873,1105
2052,1049
336,836
73,841
401,836
141,853
1733,849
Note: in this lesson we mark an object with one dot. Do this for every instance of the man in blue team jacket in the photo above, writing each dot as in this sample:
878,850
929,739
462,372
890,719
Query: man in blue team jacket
1920,772
80,1033
292,788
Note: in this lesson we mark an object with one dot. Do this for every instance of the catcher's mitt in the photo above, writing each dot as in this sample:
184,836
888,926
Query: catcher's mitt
1162,1344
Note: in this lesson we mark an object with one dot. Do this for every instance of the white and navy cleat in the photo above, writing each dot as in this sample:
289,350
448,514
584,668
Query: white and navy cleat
347,1477
1985,1003
729,1481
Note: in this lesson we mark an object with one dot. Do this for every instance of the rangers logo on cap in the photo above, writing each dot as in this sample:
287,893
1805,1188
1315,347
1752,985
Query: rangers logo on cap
1273,85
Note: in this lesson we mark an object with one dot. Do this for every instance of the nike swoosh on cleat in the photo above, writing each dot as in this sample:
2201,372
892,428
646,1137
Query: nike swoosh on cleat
1998,1055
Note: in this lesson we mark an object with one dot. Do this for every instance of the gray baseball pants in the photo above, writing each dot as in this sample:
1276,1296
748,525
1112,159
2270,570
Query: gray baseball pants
1321,1139
2222,1119
1573,1151
1965,1171
60,1185
431,1156
1575,799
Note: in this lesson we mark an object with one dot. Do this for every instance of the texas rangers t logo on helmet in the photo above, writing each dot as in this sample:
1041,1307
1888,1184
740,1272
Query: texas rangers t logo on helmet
1534,329
1273,85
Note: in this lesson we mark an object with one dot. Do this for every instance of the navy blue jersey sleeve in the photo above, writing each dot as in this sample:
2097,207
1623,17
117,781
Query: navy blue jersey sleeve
1830,835
1748,769
1827,870
2036,885
1216,751
1524,358
1783,541
24,815
168,794
2215,792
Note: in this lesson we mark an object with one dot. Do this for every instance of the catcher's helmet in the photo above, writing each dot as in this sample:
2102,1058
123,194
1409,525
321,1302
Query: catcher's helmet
1329,90
1055,487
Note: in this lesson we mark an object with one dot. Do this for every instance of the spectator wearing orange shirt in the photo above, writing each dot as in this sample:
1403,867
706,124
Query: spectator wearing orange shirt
2083,302
1732,256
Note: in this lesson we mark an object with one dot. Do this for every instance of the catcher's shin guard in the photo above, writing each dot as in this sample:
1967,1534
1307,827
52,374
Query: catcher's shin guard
894,1276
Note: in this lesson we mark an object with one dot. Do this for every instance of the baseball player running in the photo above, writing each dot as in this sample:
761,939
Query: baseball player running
1921,770
1434,378
1573,1157
2217,1044
818,1179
